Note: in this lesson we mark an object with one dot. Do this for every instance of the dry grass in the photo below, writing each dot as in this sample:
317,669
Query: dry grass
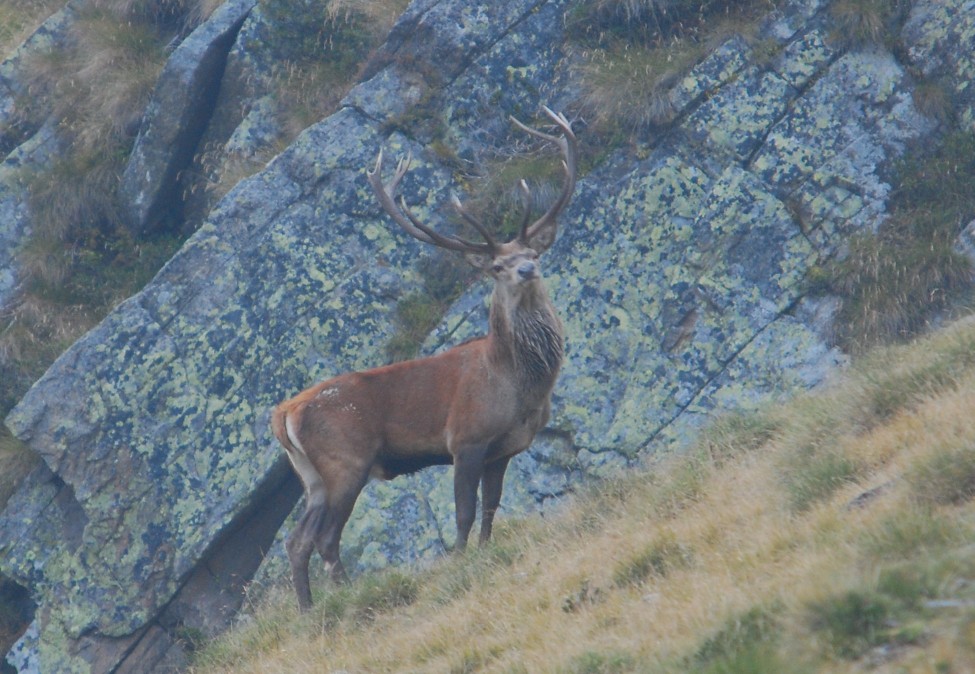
80,260
99,84
20,18
630,53
704,564
320,53
861,23
628,87
893,282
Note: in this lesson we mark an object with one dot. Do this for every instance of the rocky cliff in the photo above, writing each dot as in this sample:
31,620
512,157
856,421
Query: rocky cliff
680,272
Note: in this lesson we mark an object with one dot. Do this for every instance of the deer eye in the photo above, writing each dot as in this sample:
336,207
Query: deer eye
497,268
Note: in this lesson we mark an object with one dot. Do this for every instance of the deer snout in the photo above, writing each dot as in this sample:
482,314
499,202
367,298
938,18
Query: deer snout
528,270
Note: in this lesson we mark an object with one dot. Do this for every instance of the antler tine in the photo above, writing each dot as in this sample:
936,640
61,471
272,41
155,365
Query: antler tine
451,241
402,215
402,166
470,219
567,144
526,218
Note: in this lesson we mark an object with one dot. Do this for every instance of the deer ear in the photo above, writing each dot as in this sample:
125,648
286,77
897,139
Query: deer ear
541,240
479,261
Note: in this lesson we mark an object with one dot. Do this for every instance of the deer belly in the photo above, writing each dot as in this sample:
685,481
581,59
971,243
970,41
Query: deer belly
388,466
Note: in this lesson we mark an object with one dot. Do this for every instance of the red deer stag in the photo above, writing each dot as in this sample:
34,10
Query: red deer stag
475,405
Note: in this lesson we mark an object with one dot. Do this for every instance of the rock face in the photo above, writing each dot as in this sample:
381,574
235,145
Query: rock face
177,117
678,273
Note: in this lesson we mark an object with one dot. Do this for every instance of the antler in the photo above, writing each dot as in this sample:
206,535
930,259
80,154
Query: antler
401,214
404,217
567,143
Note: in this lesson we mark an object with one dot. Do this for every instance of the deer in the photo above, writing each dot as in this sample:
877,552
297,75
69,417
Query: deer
475,405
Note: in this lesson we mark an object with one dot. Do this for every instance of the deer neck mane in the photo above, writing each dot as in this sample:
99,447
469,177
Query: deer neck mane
526,335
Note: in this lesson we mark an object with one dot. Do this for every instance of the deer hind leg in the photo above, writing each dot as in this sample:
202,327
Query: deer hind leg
492,482
300,544
301,540
340,504
344,475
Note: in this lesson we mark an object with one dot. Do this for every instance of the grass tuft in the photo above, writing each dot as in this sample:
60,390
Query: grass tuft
814,476
946,477
657,559
894,281
736,432
598,662
910,532
862,23
745,638
362,601
20,18
630,53
419,312
852,622
319,52
627,88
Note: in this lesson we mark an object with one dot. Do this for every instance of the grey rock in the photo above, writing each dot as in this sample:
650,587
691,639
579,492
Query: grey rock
257,132
14,212
176,118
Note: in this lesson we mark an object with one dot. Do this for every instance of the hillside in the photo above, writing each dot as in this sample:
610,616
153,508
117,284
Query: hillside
832,533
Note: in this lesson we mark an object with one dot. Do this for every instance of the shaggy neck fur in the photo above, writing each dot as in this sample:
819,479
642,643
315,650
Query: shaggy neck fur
527,334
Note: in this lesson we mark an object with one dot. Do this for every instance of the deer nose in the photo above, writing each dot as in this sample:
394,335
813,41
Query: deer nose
527,270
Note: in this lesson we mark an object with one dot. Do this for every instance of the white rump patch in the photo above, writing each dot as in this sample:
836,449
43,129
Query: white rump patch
310,479
292,436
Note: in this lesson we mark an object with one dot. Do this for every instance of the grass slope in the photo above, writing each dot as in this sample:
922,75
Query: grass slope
830,534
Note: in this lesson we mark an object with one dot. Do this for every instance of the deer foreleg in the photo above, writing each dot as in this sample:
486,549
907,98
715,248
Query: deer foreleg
468,468
492,482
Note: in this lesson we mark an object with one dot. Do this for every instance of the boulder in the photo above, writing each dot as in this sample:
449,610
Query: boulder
176,119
